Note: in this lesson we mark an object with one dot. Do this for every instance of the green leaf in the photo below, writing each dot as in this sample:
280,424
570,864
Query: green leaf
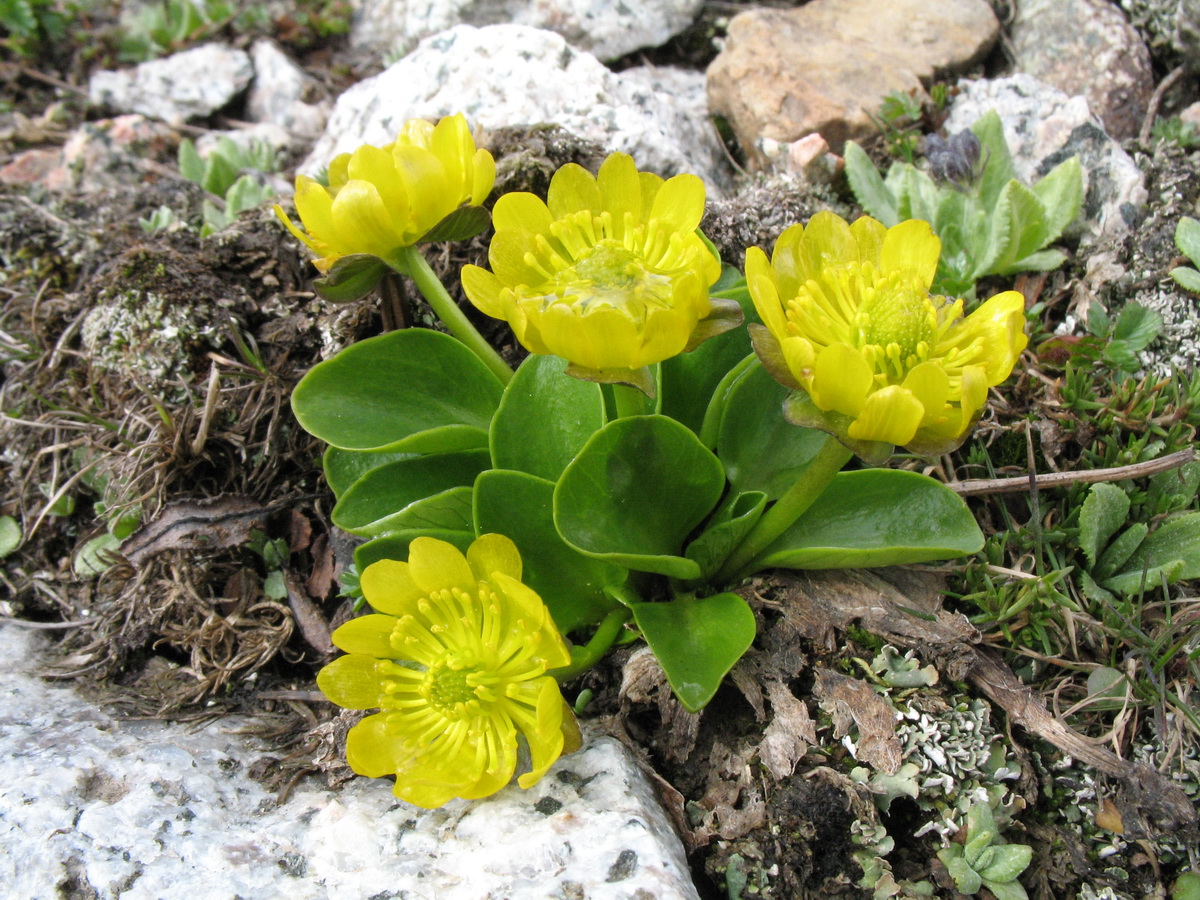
919,199
545,418
1041,261
10,535
998,243
1187,278
726,531
344,467
1102,513
1027,230
1137,325
521,507
384,498
1178,538
1008,861
1009,890
1187,238
245,193
998,169
461,225
378,392
966,879
697,641
93,557
274,587
191,165
395,545
760,449
877,517
636,490
1061,195
1175,489
219,174
1117,553
869,188
1134,581
711,424
351,278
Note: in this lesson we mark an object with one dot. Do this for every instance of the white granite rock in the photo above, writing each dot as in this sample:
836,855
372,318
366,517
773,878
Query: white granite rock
1043,126
183,86
93,806
514,75
282,93
606,29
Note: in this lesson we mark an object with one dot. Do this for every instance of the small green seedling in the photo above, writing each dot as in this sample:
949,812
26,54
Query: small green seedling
985,860
231,172
1187,239
1132,331
989,222
274,555
1173,130
10,535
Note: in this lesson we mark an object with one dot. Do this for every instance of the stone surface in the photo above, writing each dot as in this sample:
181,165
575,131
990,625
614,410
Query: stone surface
1043,126
605,29
176,88
283,94
146,810
786,73
514,75
1087,47
101,154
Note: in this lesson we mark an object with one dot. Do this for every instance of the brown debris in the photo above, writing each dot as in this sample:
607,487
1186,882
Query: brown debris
207,524
854,703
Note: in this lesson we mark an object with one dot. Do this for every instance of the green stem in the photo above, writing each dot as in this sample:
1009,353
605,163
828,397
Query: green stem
788,508
409,261
629,401
583,658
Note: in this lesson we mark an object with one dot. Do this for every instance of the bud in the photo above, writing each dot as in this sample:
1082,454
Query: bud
954,161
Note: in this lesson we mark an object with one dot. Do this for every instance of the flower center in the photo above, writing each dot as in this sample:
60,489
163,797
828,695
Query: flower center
896,327
447,687
611,276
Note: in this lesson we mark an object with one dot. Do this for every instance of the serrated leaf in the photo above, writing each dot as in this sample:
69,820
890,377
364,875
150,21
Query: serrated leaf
1118,552
869,188
919,199
999,239
1102,513
1041,261
1027,231
1061,195
1134,581
1178,538
1187,278
1137,325
998,167
1187,238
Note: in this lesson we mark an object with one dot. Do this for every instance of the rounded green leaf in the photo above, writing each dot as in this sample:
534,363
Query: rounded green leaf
545,417
726,530
761,450
344,467
521,507
10,535
380,501
877,517
383,390
635,492
1178,538
697,641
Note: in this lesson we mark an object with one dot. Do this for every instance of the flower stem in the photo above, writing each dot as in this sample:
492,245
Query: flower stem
787,509
410,261
583,658
629,401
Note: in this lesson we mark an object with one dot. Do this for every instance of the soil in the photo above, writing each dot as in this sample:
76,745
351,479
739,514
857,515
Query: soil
146,377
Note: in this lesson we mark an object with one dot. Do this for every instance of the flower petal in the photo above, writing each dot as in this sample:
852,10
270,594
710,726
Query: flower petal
363,224
930,384
572,189
620,192
389,587
869,233
369,635
679,205
352,681
827,242
492,553
911,246
483,290
522,212
438,565
841,379
890,415
372,748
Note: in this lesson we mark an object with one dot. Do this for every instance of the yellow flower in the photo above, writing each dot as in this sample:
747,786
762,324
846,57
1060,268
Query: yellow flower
456,661
380,199
609,273
849,319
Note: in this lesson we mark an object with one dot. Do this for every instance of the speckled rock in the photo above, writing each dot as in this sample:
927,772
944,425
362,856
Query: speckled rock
91,806
176,88
605,29
1087,47
786,73
514,75
283,94
1043,126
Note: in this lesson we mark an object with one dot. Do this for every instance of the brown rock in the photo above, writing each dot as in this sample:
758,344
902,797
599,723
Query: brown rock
822,67
1087,48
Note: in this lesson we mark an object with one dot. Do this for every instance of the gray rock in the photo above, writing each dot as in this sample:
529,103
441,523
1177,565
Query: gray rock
1087,47
514,75
283,94
183,86
822,67
607,30
1043,126
145,810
